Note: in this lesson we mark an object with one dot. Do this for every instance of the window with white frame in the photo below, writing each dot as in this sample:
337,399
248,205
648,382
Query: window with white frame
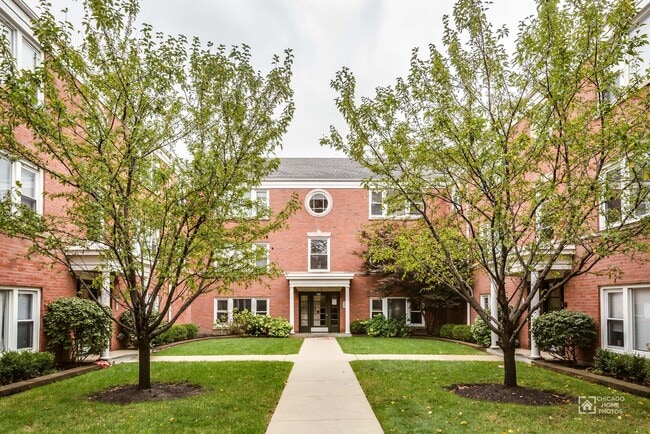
9,34
318,203
262,255
379,206
626,193
626,319
484,301
259,204
19,319
397,307
23,182
225,307
319,254
23,49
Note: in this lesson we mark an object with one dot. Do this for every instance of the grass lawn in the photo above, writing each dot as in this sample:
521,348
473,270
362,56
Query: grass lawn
235,346
410,396
238,397
367,345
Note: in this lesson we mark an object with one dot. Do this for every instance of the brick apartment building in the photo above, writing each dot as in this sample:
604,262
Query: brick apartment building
323,288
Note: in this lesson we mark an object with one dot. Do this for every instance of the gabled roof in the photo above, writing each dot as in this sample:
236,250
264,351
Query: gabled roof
308,169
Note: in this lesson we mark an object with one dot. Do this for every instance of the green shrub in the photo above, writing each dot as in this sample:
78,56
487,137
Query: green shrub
462,332
628,367
128,328
23,365
192,330
75,328
247,323
176,333
562,332
447,330
359,327
380,326
481,333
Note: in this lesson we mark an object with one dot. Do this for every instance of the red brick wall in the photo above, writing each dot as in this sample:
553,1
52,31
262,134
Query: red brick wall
289,250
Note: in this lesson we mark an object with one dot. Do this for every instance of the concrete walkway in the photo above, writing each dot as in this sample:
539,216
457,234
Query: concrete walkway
322,394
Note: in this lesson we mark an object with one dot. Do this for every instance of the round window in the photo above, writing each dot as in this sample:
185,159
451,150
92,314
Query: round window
318,203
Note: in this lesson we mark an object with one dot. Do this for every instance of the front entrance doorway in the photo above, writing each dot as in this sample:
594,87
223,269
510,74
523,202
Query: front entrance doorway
319,312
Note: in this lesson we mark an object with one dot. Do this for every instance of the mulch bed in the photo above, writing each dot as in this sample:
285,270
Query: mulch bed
510,395
130,393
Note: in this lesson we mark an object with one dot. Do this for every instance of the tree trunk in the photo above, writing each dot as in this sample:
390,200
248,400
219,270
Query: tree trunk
144,365
510,366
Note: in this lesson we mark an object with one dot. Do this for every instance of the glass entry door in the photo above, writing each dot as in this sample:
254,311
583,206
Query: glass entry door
319,312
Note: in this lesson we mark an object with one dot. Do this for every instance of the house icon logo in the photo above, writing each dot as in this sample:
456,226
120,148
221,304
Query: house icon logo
587,405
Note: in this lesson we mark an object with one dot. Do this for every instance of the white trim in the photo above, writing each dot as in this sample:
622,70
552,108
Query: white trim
15,181
318,280
231,304
626,292
309,253
328,198
407,309
311,184
12,320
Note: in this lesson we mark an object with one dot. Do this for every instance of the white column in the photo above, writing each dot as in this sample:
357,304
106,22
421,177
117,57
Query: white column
534,349
347,309
494,309
105,300
291,309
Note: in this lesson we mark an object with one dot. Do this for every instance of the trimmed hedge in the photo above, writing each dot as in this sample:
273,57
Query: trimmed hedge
176,333
23,365
447,331
462,332
563,332
76,328
627,367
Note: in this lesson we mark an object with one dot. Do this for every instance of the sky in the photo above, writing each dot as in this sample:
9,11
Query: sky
374,38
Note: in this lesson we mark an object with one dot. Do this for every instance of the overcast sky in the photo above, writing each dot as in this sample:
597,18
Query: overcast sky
374,38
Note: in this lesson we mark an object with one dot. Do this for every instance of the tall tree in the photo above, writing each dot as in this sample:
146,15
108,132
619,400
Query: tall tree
393,249
104,116
523,150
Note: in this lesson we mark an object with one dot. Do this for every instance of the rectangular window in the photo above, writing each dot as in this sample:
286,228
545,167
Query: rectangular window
24,179
376,204
615,334
399,308
382,204
19,319
415,314
613,205
30,56
626,319
221,310
396,308
25,328
318,254
626,189
4,320
376,307
225,307
263,250
484,301
5,176
9,34
260,202
641,319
